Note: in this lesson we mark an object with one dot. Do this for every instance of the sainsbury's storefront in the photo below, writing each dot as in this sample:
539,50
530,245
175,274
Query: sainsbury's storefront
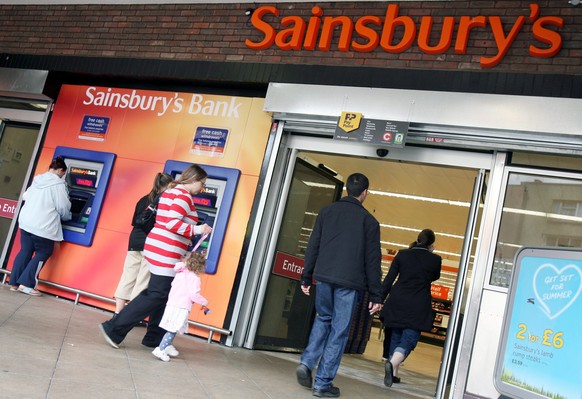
491,89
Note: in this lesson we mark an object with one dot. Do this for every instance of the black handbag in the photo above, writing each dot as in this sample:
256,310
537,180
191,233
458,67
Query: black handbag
146,219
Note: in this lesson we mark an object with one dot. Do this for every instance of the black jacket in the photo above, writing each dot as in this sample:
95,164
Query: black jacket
409,304
344,249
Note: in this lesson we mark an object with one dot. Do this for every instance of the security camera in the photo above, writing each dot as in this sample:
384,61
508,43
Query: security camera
381,152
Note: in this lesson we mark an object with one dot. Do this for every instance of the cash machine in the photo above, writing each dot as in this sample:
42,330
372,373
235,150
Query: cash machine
87,178
213,205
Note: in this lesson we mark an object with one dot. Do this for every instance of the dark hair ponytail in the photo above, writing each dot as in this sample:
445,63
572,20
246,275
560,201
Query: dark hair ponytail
161,181
425,239
58,163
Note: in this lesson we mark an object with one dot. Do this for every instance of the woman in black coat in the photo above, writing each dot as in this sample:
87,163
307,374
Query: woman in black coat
408,309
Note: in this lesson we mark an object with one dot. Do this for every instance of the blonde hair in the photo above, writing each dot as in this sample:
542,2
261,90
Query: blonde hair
191,174
195,261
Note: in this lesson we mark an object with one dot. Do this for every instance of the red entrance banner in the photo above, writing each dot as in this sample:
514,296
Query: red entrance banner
288,266
7,208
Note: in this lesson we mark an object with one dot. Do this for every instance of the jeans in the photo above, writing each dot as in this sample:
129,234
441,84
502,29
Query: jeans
329,335
34,252
403,340
151,302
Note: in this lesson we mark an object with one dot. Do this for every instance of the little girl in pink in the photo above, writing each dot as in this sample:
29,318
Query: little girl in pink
185,291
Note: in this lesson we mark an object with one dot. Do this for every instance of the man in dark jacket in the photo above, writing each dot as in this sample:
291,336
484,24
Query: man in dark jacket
343,256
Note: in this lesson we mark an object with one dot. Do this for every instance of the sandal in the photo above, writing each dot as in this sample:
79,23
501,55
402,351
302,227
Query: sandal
29,291
14,288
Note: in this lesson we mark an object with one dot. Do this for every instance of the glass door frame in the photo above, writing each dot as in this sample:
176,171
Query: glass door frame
483,268
257,266
275,343
507,172
34,118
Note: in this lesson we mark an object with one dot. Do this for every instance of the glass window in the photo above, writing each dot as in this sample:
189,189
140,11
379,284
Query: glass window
551,161
538,211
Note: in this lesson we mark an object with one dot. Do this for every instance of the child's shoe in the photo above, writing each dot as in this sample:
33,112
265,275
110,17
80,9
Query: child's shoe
160,354
171,351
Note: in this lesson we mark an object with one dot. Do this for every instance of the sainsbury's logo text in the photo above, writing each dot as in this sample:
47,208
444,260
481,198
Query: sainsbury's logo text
197,104
370,31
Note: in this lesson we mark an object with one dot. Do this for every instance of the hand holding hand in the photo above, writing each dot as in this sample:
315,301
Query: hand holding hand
374,307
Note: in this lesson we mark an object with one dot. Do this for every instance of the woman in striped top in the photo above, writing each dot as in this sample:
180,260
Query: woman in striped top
165,245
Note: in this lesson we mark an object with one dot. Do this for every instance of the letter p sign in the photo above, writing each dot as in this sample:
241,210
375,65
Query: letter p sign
349,121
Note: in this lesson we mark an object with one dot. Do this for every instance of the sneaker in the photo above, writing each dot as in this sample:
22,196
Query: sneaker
304,376
29,291
171,351
329,392
160,354
107,338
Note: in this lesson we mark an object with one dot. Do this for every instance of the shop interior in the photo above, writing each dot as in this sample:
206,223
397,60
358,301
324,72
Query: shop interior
405,198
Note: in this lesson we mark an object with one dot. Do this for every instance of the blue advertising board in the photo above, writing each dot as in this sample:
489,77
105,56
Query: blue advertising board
541,348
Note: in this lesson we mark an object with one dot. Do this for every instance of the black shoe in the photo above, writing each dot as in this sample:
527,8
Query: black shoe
329,392
107,337
304,376
388,374
395,379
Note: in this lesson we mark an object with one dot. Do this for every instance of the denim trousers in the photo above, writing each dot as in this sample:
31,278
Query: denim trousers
334,306
34,252
403,340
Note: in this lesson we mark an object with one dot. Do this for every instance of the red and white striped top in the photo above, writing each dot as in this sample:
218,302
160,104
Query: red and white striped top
168,241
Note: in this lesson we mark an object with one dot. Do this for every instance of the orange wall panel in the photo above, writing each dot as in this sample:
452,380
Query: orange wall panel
143,141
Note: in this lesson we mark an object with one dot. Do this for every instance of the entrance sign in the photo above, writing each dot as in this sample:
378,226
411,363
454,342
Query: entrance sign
7,208
288,266
539,355
371,131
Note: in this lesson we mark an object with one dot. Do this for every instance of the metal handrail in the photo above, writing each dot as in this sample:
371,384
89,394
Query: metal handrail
79,293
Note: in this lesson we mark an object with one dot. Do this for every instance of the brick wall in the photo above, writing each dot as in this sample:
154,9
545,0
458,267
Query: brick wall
217,32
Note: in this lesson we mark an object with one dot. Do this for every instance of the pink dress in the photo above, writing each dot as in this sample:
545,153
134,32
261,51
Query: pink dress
185,291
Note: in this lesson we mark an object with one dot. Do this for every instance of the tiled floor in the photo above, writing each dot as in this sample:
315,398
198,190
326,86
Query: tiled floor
52,348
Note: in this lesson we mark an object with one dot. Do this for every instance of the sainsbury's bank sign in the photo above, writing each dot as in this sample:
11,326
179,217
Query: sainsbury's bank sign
368,32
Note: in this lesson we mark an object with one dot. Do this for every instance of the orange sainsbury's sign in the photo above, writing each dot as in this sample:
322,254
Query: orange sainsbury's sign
368,32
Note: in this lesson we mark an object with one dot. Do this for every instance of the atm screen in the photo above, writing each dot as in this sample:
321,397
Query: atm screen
83,177
203,201
208,197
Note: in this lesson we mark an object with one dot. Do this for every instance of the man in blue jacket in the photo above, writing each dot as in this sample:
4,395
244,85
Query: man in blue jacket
343,256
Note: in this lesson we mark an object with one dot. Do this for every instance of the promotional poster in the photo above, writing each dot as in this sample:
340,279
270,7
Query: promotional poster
542,340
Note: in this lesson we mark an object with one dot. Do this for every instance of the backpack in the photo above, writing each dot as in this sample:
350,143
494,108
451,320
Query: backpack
147,218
